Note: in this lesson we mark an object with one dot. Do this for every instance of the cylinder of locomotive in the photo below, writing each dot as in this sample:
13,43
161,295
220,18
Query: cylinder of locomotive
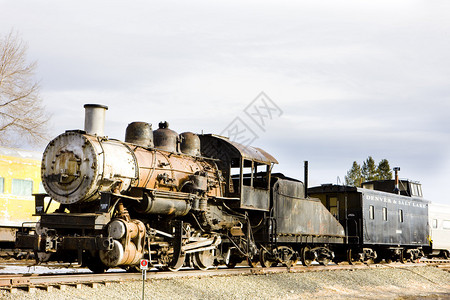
164,206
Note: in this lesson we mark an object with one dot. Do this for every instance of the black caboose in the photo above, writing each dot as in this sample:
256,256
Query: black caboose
382,219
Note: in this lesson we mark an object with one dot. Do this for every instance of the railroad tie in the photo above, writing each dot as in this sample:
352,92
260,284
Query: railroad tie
31,289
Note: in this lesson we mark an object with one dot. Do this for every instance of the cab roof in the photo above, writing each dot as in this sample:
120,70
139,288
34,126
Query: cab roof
246,152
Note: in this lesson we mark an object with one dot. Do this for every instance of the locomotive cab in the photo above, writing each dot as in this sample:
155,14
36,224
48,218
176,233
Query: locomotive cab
246,171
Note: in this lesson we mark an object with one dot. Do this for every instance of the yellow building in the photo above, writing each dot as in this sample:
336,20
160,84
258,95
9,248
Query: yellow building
20,177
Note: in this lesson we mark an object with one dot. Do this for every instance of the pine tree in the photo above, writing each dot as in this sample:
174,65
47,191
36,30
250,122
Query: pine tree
368,170
384,170
353,177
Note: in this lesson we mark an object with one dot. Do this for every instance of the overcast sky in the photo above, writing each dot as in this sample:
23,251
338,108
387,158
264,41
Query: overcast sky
350,78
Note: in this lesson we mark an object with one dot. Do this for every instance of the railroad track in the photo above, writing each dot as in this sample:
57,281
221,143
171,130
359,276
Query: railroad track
435,261
438,262
48,282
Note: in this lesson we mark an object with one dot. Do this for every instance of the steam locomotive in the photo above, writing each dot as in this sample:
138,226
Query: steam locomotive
198,201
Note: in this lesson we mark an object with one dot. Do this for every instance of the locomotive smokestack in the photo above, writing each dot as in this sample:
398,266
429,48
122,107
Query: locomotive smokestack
306,178
396,188
94,119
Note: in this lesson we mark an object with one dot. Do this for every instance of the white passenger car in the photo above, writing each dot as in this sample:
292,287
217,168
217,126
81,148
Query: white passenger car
439,218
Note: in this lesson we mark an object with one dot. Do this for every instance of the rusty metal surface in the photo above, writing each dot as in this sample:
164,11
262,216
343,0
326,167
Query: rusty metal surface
190,143
312,217
174,172
253,198
139,133
165,139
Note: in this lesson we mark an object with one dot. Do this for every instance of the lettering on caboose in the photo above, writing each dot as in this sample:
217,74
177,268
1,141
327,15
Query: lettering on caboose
385,199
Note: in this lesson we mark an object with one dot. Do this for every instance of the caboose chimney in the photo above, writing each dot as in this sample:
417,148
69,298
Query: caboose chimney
94,119
396,188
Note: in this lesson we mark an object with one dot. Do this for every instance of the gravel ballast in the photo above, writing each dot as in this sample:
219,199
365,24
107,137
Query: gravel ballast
375,283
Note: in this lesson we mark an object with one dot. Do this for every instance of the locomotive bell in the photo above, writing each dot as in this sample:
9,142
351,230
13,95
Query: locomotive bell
165,139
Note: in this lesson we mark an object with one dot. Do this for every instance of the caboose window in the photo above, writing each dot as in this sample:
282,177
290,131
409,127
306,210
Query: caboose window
419,190
400,215
21,187
416,189
2,185
371,212
385,215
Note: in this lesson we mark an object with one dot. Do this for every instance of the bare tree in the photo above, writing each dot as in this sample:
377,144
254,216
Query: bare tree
22,115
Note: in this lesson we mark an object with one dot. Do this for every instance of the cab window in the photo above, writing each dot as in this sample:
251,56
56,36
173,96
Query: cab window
255,174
